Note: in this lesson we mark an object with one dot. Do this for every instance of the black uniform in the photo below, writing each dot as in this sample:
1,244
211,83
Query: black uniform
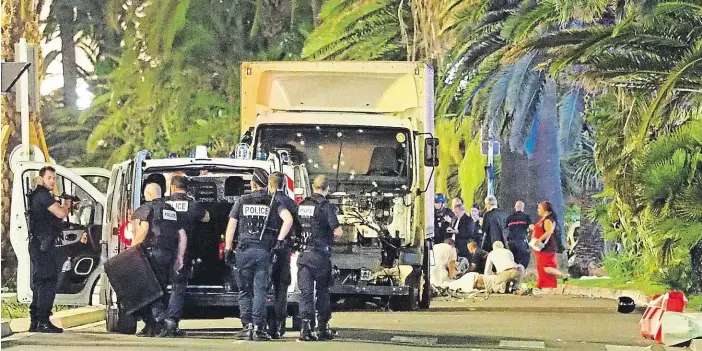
281,270
190,212
517,226
465,233
45,229
253,253
494,224
318,218
162,244
440,224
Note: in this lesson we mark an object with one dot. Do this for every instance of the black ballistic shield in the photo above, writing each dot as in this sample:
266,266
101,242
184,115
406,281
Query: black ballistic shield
133,279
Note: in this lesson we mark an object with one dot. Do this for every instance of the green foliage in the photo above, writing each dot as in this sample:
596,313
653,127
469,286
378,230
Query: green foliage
357,30
177,82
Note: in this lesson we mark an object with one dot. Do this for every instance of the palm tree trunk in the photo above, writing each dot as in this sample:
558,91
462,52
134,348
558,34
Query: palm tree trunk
316,8
696,265
589,249
68,54
546,165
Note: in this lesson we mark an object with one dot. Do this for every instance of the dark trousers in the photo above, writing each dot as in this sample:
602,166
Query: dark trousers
281,281
162,262
43,295
520,250
44,277
314,272
179,283
254,265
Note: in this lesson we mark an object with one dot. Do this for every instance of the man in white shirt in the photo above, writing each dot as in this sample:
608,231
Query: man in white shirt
444,267
506,270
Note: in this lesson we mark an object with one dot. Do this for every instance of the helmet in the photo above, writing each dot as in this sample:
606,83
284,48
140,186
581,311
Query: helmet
440,198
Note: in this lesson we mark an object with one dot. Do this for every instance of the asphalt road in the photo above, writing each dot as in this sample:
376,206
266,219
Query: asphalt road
498,323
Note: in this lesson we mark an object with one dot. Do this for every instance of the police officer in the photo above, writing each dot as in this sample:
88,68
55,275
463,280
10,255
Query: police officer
280,274
163,236
262,227
442,218
190,212
319,228
45,216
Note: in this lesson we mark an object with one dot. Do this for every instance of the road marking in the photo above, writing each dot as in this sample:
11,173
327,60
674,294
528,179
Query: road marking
414,340
522,344
630,348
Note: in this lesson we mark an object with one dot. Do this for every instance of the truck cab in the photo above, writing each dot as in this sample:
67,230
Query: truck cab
368,127
214,182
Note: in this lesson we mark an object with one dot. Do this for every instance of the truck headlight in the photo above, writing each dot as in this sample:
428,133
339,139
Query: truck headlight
366,274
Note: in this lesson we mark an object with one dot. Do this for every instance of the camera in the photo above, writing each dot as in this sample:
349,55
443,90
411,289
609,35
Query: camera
70,197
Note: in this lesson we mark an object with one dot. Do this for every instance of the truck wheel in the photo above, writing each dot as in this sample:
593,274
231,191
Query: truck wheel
406,303
425,299
119,322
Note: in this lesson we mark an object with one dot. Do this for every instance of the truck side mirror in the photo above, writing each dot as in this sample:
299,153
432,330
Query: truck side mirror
431,152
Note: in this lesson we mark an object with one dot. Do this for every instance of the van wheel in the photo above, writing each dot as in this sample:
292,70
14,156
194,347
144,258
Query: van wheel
119,322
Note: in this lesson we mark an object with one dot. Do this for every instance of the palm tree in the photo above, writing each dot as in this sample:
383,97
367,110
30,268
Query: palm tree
177,82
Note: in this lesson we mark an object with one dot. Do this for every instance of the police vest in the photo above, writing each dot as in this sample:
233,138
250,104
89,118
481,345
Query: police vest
182,204
316,232
163,226
41,221
255,209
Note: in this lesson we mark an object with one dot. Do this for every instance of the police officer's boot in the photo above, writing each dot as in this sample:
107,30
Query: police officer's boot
274,331
324,333
169,329
33,325
148,330
45,326
281,328
260,334
246,332
306,332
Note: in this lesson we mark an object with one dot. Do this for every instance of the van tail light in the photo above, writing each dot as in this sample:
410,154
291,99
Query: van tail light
299,195
126,233
221,248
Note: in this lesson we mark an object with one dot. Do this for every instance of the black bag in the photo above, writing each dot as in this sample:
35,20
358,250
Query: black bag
133,279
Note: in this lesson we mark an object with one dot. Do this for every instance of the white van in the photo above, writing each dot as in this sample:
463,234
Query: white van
215,182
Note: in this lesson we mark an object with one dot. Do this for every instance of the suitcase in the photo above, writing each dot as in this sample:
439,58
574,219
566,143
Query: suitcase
133,279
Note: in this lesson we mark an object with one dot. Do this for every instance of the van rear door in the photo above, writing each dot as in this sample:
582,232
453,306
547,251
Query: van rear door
78,248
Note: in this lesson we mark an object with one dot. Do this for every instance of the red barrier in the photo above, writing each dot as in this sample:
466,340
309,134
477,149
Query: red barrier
650,323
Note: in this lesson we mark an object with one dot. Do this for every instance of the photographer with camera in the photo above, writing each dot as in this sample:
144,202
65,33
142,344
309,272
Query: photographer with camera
45,216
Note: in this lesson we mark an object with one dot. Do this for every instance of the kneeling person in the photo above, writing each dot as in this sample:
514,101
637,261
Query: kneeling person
319,227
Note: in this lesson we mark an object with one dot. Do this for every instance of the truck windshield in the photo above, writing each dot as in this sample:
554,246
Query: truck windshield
361,155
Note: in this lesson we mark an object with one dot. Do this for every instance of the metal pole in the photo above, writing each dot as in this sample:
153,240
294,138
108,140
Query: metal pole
24,101
491,157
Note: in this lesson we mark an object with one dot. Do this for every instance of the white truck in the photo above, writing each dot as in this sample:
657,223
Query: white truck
367,126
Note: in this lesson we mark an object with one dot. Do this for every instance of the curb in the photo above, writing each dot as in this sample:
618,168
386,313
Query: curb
639,298
64,319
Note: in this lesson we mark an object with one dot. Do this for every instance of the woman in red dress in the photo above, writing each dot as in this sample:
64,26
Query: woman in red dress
543,238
